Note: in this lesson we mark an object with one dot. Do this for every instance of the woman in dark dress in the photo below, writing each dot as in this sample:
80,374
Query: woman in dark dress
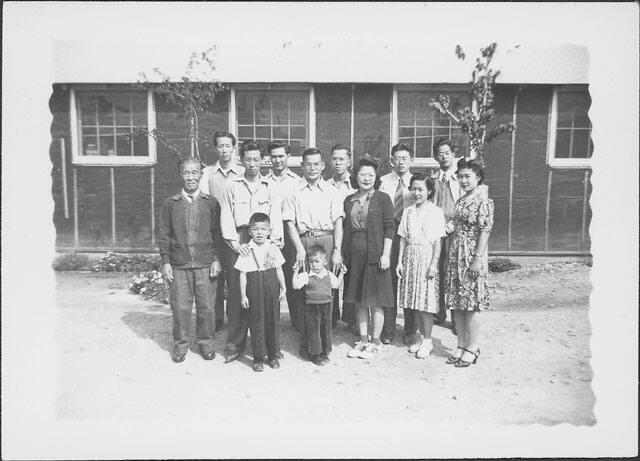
368,234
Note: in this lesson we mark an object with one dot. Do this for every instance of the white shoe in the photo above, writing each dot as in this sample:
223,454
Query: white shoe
415,347
371,350
425,350
358,348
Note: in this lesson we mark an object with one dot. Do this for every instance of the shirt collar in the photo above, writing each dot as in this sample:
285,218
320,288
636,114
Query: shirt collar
355,197
304,183
263,179
322,274
449,175
345,179
287,174
185,195
405,179
234,168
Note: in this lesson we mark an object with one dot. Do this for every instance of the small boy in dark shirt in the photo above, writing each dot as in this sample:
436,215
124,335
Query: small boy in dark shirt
189,241
318,302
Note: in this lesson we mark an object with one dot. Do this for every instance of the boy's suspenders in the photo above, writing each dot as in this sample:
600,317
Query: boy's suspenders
255,259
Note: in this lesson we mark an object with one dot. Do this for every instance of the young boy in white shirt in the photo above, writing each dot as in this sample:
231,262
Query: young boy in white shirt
262,288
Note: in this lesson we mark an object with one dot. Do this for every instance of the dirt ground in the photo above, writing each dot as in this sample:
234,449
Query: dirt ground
114,362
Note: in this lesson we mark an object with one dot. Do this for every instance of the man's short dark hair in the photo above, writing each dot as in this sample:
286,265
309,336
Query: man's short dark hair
311,151
341,147
259,217
248,146
278,145
223,134
402,146
444,142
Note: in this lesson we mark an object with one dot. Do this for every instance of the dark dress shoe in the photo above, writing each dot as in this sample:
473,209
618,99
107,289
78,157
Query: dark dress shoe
317,360
274,363
385,340
257,366
208,355
409,339
324,358
178,356
231,356
279,356
303,353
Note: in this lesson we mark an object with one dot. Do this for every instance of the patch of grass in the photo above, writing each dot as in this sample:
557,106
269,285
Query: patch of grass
502,265
115,262
72,262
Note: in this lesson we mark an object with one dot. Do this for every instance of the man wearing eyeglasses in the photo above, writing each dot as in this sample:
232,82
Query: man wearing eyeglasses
313,212
396,186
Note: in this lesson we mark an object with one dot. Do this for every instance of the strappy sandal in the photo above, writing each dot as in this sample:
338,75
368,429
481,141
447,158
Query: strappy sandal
464,363
453,359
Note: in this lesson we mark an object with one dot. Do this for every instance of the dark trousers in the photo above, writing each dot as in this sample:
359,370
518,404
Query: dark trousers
289,253
318,328
390,313
220,281
188,284
238,317
326,241
263,291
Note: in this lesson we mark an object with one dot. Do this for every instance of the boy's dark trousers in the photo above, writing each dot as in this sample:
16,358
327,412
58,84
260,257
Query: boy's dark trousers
289,253
187,284
263,291
325,241
390,313
318,328
238,317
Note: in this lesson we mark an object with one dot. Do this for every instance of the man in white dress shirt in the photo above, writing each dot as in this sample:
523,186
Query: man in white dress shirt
213,181
396,185
341,161
280,174
447,193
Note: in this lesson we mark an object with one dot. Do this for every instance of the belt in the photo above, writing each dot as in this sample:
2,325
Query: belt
316,233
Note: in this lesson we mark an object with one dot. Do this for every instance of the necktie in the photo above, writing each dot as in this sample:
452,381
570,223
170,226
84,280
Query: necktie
398,202
190,198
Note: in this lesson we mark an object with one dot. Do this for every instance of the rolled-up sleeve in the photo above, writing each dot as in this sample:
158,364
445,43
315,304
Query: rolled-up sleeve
337,206
275,212
227,222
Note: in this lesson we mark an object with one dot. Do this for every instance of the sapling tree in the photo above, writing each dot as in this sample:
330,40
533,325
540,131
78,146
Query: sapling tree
473,120
193,94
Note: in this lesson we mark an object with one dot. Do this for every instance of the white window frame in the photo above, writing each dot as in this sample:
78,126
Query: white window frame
422,162
294,161
552,161
110,160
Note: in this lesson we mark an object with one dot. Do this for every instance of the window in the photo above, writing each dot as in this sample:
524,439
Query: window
105,127
420,125
570,144
275,112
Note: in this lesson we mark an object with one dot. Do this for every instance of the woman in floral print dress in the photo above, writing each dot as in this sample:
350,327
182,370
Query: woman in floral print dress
467,291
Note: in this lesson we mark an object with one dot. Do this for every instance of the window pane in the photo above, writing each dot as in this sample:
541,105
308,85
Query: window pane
89,145
263,132
105,110
573,109
245,132
123,110
106,145
276,115
123,144
414,109
580,144
87,109
139,107
562,143
296,147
